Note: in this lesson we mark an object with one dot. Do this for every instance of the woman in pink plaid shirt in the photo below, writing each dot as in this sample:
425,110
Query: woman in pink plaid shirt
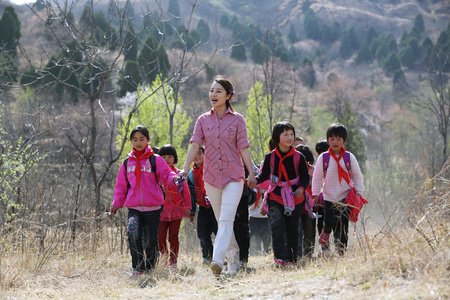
224,133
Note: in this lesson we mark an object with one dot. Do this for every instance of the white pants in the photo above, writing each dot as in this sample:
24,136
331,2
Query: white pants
224,202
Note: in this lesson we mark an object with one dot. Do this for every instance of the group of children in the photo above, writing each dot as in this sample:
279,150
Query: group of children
294,194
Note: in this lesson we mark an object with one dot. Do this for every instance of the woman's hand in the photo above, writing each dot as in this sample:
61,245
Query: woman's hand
299,193
251,181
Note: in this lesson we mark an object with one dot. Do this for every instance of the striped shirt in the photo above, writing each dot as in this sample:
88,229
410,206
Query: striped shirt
333,190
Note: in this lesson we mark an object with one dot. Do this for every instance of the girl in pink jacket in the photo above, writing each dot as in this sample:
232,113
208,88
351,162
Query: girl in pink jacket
137,188
176,207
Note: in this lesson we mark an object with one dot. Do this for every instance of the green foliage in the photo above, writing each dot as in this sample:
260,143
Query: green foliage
282,53
131,46
259,53
392,43
364,55
209,73
67,83
238,51
371,34
130,79
322,117
154,114
414,44
17,158
419,24
95,78
407,57
330,34
352,38
10,30
293,54
399,79
203,29
382,51
153,59
8,70
311,25
354,142
306,4
224,21
292,35
308,73
257,118
391,63
71,53
404,39
174,8
345,49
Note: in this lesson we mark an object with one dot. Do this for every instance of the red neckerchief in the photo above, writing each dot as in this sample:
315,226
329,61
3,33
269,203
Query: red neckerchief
281,168
198,179
341,172
138,156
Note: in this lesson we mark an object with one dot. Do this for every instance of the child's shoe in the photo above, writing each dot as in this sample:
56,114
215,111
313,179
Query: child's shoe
216,268
136,273
278,263
323,238
289,265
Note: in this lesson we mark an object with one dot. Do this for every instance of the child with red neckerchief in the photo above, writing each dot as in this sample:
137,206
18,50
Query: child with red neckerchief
287,171
177,206
335,187
137,189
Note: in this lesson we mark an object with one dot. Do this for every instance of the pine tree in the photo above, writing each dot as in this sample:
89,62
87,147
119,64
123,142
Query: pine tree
382,51
308,73
414,44
407,57
203,29
131,46
371,34
364,55
67,83
391,42
345,49
224,21
238,51
419,23
293,54
8,70
258,53
174,8
352,38
282,53
404,39
153,59
10,30
311,25
391,63
130,79
99,68
292,35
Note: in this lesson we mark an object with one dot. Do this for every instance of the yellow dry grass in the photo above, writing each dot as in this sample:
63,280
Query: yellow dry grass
408,261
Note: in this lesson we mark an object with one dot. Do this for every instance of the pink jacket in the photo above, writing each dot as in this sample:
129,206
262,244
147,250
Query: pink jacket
147,193
176,203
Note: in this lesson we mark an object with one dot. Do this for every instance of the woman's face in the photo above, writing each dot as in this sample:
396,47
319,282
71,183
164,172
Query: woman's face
139,141
218,95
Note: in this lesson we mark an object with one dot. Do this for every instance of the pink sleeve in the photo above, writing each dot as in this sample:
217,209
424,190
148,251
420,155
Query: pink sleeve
121,188
242,139
164,173
197,135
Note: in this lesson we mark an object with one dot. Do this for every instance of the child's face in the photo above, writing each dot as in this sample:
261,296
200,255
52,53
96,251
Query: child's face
336,144
139,141
169,159
199,158
287,138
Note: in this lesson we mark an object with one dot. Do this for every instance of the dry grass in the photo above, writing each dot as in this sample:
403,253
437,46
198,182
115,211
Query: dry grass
409,261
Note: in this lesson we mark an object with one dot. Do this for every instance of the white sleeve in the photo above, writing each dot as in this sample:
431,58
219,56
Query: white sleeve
358,182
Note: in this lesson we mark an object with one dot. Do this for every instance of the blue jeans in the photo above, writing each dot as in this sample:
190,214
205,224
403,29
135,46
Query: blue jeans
284,231
206,225
143,236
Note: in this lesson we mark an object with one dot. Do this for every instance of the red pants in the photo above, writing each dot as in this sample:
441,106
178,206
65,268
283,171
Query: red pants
173,228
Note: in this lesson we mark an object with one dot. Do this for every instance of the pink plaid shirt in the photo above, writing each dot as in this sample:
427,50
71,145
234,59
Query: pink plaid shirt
224,137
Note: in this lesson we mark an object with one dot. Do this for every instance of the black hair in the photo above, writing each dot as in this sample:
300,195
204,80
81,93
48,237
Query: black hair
337,130
141,129
299,138
322,146
272,145
229,89
168,149
155,149
279,128
202,148
307,153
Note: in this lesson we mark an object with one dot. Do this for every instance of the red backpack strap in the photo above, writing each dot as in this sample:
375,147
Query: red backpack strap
326,163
